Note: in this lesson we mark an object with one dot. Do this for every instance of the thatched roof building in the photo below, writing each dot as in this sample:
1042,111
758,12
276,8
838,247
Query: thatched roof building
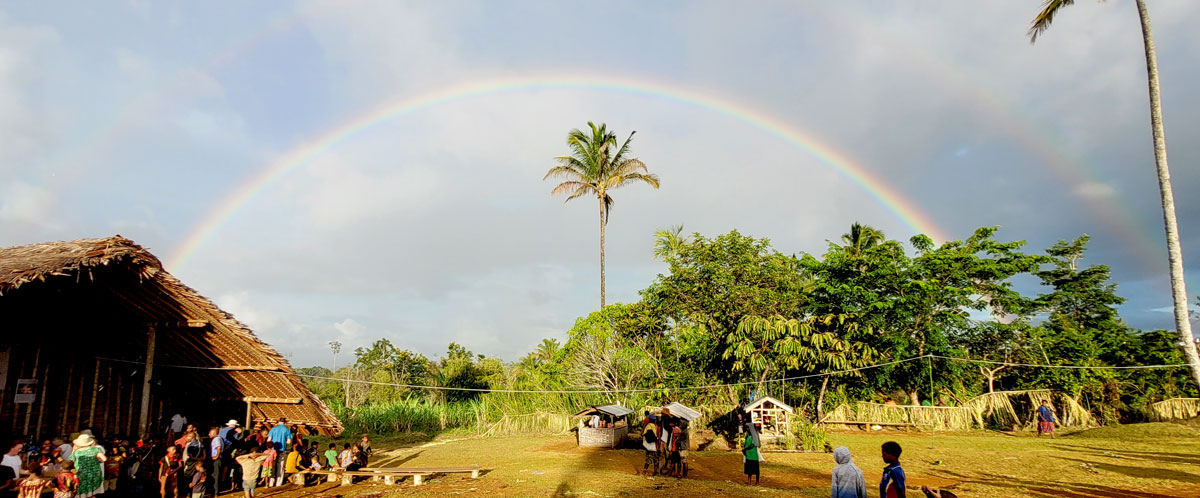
119,345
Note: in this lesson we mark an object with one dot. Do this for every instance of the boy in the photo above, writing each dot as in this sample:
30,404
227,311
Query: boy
198,480
650,443
1046,421
251,465
331,459
892,484
847,480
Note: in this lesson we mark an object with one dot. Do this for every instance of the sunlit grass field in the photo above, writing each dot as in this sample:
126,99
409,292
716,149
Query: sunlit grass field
1145,460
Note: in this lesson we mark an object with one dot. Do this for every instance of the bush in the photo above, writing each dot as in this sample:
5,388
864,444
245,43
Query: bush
805,436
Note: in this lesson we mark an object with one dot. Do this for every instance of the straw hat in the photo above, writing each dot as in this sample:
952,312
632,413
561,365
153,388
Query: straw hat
232,423
84,440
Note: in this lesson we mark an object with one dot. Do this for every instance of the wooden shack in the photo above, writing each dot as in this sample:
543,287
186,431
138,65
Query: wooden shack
98,335
602,426
769,415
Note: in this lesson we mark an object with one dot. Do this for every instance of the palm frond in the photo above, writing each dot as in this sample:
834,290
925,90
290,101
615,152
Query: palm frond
586,189
608,204
627,166
1042,22
565,171
619,157
565,187
614,182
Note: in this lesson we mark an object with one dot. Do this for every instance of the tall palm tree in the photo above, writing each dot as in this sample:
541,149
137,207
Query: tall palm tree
861,238
1174,254
597,165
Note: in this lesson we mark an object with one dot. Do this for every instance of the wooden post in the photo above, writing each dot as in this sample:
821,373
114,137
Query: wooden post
41,388
42,405
147,376
129,413
104,415
249,405
79,403
62,419
95,393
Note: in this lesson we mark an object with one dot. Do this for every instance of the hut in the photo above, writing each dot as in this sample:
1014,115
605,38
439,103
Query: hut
100,336
603,426
769,415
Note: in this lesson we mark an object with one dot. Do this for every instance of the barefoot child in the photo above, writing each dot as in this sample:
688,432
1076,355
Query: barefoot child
650,444
66,482
252,464
892,484
199,480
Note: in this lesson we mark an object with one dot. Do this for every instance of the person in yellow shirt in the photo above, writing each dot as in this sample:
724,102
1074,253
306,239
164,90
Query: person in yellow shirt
292,464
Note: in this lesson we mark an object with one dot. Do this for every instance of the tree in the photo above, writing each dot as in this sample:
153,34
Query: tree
713,284
547,350
861,238
1174,253
601,358
817,343
597,166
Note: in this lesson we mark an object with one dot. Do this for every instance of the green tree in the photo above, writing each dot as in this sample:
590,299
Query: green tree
861,238
712,284
600,357
547,350
1174,253
813,344
597,166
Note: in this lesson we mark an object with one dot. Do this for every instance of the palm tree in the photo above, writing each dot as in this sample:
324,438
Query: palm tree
669,241
596,166
861,238
1174,254
547,350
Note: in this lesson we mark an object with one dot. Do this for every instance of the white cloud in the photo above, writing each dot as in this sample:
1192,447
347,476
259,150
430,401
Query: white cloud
238,304
22,202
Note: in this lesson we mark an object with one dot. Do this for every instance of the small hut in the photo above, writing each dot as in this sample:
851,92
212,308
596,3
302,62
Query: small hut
602,426
769,415
677,409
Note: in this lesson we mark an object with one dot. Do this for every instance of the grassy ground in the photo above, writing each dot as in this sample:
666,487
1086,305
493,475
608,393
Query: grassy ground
1145,460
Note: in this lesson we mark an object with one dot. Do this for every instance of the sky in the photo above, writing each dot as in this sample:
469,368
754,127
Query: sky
349,171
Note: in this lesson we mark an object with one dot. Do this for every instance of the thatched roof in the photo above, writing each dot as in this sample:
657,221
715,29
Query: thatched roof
242,366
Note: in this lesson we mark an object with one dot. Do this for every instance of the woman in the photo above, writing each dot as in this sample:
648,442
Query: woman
358,459
751,456
88,459
33,485
168,473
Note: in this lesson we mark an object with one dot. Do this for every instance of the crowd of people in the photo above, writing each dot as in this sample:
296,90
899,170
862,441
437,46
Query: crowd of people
183,462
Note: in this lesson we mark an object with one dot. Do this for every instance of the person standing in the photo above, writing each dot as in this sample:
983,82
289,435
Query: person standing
752,457
251,464
66,482
365,444
280,438
198,480
893,483
168,473
88,459
1046,419
650,444
216,451
847,480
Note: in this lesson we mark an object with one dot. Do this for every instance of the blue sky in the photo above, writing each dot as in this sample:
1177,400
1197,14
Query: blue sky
139,118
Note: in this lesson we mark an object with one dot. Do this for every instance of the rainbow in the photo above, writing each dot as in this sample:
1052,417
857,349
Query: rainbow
903,209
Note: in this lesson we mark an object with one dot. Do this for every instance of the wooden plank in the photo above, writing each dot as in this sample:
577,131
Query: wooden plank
95,392
147,376
41,388
42,405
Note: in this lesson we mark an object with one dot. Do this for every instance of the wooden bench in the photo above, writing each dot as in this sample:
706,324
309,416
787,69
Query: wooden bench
389,475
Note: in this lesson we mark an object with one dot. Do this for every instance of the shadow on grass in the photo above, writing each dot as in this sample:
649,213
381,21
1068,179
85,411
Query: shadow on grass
1153,456
1141,472
1064,489
396,460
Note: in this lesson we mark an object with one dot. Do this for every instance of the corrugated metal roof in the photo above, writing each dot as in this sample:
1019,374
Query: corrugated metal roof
614,410
677,409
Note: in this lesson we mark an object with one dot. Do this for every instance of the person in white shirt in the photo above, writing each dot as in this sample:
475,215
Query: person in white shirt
11,459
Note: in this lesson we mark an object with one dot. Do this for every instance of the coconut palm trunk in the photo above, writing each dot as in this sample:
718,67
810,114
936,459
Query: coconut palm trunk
602,223
1174,252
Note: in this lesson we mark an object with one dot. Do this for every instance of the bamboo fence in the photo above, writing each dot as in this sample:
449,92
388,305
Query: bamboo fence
1174,409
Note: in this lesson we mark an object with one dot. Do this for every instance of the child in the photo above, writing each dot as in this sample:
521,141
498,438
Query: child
112,468
750,450
892,484
650,443
66,482
251,464
847,481
293,462
346,457
331,456
268,466
33,485
199,479
673,466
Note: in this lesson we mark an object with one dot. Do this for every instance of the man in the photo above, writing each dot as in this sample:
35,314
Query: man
217,450
231,434
281,438
12,458
64,448
1046,420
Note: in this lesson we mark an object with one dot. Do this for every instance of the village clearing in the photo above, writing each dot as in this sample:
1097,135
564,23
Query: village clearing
1145,460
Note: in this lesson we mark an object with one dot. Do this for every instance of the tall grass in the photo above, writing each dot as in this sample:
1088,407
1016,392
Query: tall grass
1174,409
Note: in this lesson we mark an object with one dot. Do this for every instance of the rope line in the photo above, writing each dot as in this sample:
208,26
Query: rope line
644,390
